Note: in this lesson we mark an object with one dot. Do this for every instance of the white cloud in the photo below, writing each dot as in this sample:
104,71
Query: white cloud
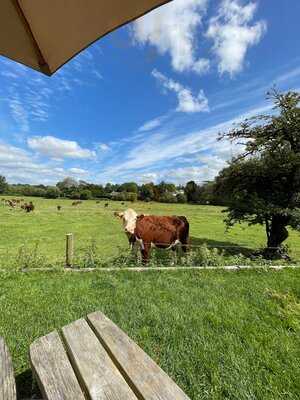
10,155
148,177
9,74
78,171
292,74
190,104
186,101
233,35
18,112
103,147
186,174
19,166
162,154
56,148
97,74
31,97
173,29
149,125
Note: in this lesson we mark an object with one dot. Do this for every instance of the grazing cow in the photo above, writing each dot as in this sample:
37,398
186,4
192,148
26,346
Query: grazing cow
28,207
106,205
164,232
11,203
58,208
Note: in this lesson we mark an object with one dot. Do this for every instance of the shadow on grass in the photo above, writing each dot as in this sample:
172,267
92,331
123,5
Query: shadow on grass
227,248
27,386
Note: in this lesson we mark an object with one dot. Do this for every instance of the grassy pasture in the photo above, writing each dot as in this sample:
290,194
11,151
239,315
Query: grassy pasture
46,228
220,335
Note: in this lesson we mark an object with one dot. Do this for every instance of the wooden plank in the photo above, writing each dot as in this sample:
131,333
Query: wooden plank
144,376
7,379
53,370
96,371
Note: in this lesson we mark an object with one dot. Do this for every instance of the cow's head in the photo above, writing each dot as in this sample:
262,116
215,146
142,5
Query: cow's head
128,218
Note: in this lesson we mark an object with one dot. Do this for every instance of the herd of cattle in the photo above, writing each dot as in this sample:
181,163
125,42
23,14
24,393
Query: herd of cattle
146,231
14,203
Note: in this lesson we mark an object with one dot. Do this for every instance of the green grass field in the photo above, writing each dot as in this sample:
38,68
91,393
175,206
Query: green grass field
220,335
46,228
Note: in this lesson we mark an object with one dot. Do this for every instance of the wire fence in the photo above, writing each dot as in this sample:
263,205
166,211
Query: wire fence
46,252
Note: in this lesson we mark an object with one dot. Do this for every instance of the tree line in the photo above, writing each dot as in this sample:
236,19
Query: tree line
129,191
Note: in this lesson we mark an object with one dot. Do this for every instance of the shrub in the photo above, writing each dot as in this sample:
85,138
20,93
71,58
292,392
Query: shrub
86,194
124,196
52,192
74,195
29,256
168,197
181,198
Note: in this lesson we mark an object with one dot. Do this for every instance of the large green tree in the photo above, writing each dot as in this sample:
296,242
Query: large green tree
3,184
192,192
262,185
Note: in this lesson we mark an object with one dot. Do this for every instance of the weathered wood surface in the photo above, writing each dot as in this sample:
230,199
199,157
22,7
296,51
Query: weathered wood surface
69,249
94,368
144,376
7,379
53,370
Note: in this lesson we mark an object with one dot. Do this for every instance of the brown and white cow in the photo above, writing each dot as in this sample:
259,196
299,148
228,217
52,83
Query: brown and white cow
165,232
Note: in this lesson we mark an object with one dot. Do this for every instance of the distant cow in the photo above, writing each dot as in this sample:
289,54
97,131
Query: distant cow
75,203
164,232
58,208
11,203
106,205
28,207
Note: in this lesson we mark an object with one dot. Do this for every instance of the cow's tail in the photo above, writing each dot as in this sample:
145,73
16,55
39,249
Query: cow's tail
184,233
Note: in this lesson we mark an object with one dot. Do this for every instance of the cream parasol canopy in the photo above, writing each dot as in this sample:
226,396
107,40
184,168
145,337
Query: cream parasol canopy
45,34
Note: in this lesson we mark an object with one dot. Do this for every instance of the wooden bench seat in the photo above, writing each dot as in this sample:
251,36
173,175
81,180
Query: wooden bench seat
7,379
94,359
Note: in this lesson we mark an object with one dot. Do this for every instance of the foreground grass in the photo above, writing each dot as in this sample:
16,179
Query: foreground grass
40,236
220,335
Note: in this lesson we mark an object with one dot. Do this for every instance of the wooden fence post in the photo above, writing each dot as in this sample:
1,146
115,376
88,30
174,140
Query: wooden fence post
69,249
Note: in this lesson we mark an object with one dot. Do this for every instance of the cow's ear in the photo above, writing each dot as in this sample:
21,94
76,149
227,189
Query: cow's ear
141,216
118,214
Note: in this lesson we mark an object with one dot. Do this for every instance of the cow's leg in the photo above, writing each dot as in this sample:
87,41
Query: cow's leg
175,248
135,254
145,251
185,244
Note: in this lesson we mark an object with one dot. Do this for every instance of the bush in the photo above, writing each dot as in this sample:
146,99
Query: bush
74,195
30,256
124,196
52,192
86,195
181,198
168,197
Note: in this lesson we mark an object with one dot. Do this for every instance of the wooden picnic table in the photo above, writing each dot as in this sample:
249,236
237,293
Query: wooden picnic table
7,380
94,359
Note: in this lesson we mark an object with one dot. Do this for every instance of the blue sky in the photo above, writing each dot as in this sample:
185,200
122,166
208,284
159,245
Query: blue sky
146,102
